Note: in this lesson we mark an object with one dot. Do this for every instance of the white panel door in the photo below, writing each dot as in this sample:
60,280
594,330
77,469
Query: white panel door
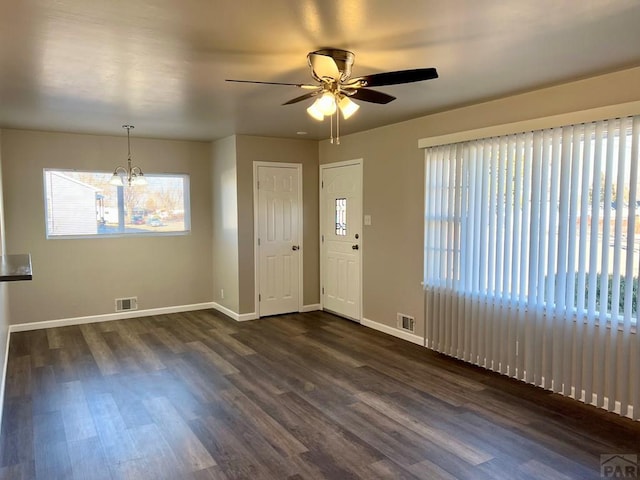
341,203
278,240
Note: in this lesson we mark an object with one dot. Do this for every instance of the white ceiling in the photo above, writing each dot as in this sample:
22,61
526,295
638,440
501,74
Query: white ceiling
93,65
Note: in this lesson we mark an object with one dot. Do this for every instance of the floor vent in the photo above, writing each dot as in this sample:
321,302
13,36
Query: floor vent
126,304
405,322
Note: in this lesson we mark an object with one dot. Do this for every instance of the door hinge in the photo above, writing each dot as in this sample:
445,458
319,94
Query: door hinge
323,238
322,184
258,242
259,297
323,290
258,185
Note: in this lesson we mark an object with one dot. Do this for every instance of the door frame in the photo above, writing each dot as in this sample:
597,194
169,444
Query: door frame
345,163
256,250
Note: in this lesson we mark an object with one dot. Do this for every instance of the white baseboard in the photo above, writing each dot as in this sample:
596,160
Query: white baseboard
409,337
238,317
243,317
64,322
311,308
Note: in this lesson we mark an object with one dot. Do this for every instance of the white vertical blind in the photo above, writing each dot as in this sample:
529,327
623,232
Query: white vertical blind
532,258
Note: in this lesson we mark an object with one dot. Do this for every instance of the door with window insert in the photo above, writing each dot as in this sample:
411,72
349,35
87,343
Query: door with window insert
341,238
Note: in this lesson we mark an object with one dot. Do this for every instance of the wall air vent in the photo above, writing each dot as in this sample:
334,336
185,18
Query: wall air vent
126,304
405,322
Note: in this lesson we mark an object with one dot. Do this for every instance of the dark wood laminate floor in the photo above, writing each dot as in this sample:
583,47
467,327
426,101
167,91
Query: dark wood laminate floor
199,396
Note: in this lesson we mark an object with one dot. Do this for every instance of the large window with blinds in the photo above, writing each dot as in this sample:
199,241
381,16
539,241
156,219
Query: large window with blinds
547,218
532,257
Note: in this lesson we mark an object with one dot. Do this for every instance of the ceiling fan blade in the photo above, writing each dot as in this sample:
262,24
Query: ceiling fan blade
299,85
323,66
398,77
372,96
301,98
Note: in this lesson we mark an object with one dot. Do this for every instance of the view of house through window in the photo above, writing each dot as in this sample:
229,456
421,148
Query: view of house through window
85,204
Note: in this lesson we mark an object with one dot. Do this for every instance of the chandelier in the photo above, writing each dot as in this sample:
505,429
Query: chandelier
130,175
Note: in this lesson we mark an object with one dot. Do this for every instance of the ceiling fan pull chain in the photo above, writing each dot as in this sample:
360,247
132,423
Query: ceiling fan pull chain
331,127
337,126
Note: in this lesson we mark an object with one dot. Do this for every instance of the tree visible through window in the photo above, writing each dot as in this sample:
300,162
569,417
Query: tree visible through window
85,204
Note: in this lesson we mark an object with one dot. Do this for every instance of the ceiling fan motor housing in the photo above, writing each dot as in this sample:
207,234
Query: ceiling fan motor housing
343,59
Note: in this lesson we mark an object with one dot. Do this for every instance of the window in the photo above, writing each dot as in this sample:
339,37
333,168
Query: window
532,254
549,218
341,217
84,204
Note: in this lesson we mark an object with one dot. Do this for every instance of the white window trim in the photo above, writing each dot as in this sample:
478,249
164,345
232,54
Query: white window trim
583,116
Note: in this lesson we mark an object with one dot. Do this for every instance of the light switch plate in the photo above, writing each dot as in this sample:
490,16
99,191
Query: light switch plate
367,219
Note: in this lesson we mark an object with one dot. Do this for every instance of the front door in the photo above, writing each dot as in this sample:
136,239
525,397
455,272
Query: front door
279,227
341,238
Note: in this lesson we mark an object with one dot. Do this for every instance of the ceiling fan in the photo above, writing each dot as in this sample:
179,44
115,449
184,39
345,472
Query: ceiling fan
334,87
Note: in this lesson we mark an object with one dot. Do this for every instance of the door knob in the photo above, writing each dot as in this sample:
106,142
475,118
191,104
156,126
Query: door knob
355,247
295,247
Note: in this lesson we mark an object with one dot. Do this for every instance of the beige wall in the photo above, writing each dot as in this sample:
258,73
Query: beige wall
224,196
4,298
394,175
82,277
263,149
232,198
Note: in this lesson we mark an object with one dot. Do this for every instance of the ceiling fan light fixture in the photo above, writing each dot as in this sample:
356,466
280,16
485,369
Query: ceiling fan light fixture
348,107
315,112
327,104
